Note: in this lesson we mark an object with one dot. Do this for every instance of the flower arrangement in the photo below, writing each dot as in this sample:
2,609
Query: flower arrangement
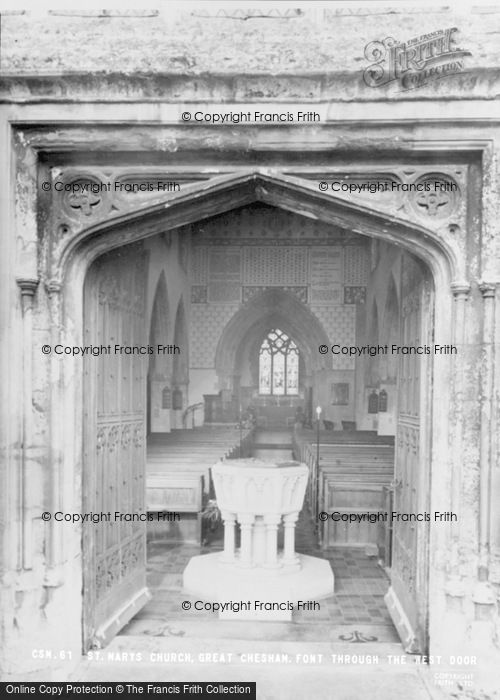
211,514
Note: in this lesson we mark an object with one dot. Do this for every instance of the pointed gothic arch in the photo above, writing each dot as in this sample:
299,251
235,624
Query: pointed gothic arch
180,365
68,268
273,308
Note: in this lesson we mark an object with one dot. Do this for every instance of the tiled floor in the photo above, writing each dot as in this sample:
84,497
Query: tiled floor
353,621
356,612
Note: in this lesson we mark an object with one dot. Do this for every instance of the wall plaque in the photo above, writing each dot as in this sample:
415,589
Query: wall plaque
275,266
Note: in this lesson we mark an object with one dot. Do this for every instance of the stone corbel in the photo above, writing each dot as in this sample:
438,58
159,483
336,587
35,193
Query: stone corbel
461,289
28,287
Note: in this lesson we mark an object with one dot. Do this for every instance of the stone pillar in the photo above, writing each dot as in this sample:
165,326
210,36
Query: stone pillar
488,291
259,541
272,522
229,525
246,521
28,288
289,556
483,595
56,544
461,291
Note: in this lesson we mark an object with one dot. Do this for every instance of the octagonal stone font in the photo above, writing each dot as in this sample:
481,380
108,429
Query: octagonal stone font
259,496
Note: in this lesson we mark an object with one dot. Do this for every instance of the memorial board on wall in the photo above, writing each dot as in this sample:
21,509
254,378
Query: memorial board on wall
274,266
356,264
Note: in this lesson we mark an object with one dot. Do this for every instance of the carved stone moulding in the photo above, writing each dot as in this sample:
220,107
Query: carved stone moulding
83,196
433,197
438,196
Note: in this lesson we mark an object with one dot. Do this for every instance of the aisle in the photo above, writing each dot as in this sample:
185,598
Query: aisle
356,612
291,660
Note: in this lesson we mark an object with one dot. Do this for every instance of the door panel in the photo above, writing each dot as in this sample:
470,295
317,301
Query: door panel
407,597
114,551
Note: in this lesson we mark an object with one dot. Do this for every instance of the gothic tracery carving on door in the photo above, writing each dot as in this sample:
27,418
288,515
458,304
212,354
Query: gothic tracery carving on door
114,448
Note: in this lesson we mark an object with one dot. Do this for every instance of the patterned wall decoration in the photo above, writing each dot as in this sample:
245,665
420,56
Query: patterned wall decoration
266,225
275,266
207,321
199,265
299,292
326,274
354,295
339,323
244,252
356,266
224,275
199,294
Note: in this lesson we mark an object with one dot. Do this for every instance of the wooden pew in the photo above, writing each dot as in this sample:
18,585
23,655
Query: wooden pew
346,497
358,458
177,463
194,451
354,474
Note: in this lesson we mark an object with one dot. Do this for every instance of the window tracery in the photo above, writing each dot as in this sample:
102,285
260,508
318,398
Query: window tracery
278,365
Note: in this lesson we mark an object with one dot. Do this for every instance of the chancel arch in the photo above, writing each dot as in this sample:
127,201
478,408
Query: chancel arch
238,350
272,308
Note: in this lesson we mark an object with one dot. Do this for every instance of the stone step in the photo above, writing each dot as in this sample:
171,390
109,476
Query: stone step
355,635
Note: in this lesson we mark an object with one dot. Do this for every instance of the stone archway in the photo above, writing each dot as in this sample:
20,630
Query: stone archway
271,307
224,193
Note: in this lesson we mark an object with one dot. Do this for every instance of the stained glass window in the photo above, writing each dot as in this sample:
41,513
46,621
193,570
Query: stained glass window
278,365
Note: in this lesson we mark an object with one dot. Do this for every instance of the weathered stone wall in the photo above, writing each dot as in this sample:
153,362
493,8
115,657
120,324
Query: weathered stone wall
184,40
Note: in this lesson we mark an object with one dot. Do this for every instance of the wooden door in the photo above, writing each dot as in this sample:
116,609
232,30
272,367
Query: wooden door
408,597
114,550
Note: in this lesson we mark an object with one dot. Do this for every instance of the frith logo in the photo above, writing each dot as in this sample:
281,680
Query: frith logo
416,62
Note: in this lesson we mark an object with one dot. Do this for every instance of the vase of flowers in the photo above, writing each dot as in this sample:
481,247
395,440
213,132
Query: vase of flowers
211,514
